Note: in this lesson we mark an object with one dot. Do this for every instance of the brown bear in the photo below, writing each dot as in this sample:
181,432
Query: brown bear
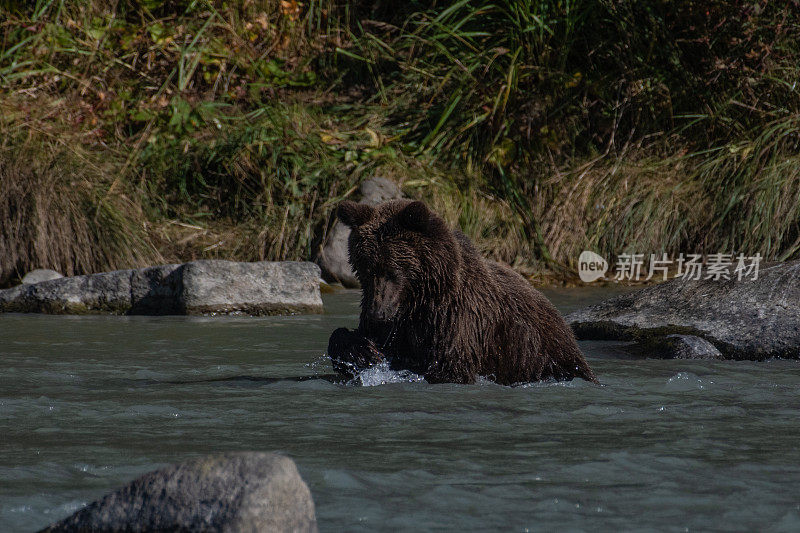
432,305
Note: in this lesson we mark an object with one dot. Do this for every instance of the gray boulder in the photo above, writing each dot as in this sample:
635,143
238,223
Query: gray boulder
39,275
264,288
377,190
747,319
232,492
104,292
333,258
199,287
157,290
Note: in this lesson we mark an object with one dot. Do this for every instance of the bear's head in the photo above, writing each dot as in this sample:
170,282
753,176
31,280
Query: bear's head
403,254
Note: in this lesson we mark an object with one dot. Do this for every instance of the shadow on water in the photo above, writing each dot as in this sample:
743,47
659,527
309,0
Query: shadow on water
261,380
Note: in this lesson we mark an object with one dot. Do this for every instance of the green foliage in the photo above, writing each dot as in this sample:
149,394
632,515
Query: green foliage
755,186
541,127
491,81
281,168
137,58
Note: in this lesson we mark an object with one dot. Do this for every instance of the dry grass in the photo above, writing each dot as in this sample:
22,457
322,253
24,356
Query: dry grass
489,221
634,206
61,209
754,183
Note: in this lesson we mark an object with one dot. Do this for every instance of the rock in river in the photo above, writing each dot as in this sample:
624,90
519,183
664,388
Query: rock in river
264,288
232,492
742,319
675,346
198,287
333,257
40,274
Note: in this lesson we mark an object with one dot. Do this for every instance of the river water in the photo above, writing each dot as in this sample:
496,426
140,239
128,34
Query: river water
88,403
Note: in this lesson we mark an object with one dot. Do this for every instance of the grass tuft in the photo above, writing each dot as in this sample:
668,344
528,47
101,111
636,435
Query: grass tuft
61,209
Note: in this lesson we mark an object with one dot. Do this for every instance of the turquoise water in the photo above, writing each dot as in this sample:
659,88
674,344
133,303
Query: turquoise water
88,403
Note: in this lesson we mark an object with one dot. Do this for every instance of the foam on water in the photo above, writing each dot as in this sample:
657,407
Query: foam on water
381,375
686,381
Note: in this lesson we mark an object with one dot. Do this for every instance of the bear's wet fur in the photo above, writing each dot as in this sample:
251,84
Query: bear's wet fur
433,305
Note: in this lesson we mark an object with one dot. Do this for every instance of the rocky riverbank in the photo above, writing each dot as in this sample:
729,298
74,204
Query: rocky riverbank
751,319
194,288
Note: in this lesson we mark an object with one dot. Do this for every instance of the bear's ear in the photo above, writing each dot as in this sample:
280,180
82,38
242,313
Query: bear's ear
353,214
415,216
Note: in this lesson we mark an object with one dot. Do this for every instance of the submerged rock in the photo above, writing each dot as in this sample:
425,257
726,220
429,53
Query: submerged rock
747,319
199,287
39,275
333,258
234,492
691,347
676,347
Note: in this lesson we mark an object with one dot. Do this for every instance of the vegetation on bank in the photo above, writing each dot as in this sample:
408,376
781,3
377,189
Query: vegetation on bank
145,131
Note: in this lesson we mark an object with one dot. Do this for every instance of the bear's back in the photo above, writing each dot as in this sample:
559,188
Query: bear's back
530,326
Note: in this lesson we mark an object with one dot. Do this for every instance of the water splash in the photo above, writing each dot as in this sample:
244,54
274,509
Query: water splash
381,374
321,364
687,381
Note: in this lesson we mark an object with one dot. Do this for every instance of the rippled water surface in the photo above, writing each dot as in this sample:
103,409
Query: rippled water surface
88,403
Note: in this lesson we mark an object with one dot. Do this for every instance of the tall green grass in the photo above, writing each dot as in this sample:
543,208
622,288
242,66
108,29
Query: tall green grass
282,169
492,80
